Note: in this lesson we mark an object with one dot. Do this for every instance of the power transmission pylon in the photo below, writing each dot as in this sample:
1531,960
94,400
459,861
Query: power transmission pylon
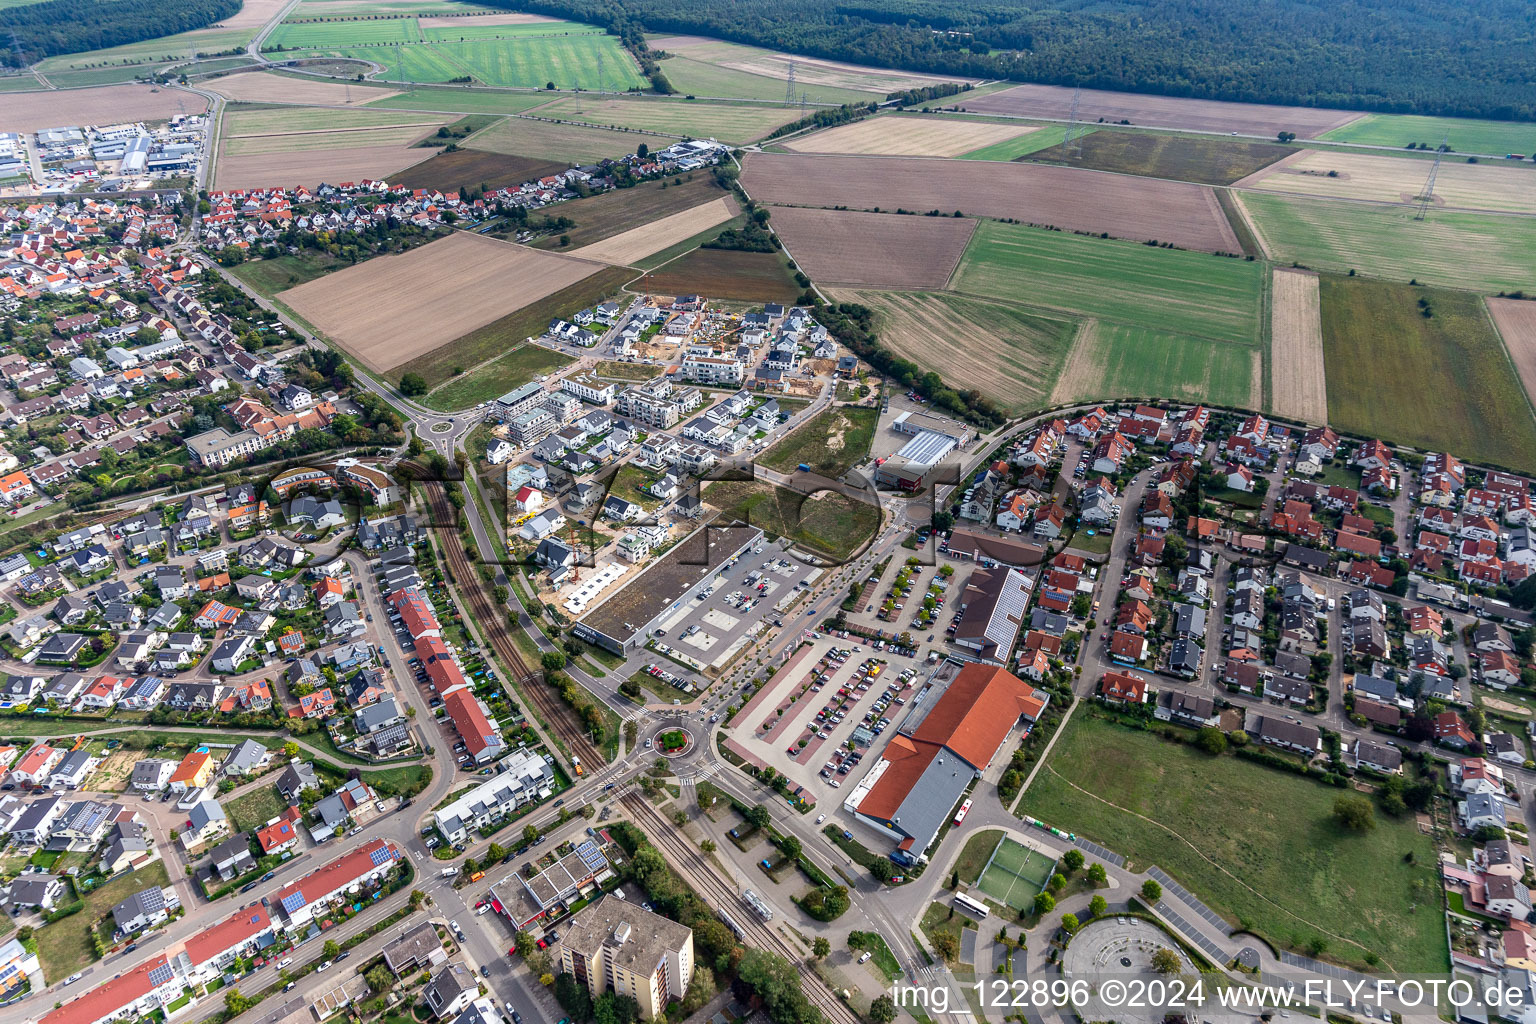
1069,141
804,102
789,87
1428,195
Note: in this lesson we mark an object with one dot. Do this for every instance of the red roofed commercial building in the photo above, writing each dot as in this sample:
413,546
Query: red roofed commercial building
416,613
481,739
923,773
212,950
135,992
298,904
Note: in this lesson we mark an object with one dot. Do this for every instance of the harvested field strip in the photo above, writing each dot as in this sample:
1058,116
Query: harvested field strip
902,135
873,250
724,121
338,131
1331,174
324,142
392,309
724,274
465,168
266,87
1516,321
1463,135
615,212
313,166
515,328
566,142
1450,387
1114,361
1296,348
809,70
638,243
239,123
710,81
1483,252
30,111
1204,160
1055,101
1042,137
1073,200
1164,289
1010,354
461,100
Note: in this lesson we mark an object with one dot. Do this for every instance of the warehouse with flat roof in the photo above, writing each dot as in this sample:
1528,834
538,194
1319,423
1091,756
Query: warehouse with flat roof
909,468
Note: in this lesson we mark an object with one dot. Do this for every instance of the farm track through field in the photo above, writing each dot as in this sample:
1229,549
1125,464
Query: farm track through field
722,897
493,627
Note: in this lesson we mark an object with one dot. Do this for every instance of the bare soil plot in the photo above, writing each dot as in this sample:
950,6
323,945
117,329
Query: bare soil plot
1516,321
873,250
394,308
1061,197
29,111
266,87
723,274
312,167
484,19
908,136
325,142
1055,101
619,210
570,143
1300,384
253,14
638,243
1395,179
1010,354
470,167
807,70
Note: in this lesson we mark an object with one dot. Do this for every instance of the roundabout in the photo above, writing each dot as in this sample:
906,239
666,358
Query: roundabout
673,741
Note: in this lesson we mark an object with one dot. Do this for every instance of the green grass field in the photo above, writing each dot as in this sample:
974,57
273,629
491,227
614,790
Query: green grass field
271,276
1297,872
153,51
723,121
830,523
290,120
563,142
1481,251
1126,361
65,946
974,855
1463,135
254,809
324,34
576,61
711,81
832,442
462,99
413,63
517,367
470,30
20,83
1443,383
100,76
1168,290
1022,145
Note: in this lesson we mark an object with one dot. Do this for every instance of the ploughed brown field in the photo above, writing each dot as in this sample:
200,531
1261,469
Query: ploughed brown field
873,250
269,87
392,309
1068,198
471,167
1055,101
724,274
110,104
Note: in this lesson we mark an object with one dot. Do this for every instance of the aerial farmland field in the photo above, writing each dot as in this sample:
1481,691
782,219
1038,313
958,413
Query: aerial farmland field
1203,159
1482,251
899,135
269,87
461,99
725,274
1333,174
627,247
1463,135
332,34
243,123
1110,360
1516,321
567,143
1043,137
447,30
415,63
724,121
1166,290
588,61
873,250
1011,354
152,51
27,112
809,71
615,212
1074,200
1451,385
471,167
1296,347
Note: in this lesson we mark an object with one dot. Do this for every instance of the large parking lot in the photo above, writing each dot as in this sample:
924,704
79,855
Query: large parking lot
745,596
832,693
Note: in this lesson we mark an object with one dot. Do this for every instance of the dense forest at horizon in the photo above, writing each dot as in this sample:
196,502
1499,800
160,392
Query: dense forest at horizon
1410,57
56,27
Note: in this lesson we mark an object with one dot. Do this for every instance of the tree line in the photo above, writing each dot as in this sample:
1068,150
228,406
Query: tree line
1417,56
56,27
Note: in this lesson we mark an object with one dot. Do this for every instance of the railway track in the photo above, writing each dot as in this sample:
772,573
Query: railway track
722,897
493,626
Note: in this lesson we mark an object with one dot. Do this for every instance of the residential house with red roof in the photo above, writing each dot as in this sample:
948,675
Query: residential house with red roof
1123,688
302,902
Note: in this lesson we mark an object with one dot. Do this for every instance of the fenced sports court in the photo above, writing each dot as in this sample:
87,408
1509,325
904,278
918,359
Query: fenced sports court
1015,874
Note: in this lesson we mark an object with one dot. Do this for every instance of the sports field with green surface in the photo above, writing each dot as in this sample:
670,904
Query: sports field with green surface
1484,252
1022,145
462,99
1290,873
1463,135
1443,382
723,121
1015,874
1126,361
710,81
1168,290
564,142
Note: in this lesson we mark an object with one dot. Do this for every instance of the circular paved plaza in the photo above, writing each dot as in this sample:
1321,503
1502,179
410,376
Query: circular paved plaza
1120,948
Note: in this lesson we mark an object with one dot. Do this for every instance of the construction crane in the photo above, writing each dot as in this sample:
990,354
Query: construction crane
1427,196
